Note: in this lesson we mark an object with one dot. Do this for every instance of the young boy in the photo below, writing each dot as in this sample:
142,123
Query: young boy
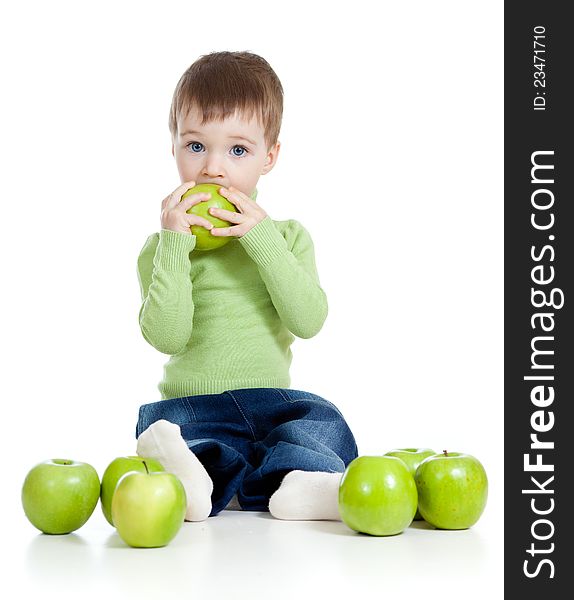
228,425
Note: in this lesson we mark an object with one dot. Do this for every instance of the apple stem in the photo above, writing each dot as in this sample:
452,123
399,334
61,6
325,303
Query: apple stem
445,453
145,465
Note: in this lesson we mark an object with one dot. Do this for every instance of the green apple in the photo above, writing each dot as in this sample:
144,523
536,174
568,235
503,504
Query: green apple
118,467
412,457
148,509
377,495
452,489
204,239
59,495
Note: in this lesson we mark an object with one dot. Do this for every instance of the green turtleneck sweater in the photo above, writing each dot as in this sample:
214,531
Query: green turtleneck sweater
227,317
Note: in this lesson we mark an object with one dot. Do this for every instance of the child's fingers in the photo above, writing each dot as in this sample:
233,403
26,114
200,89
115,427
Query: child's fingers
227,231
196,220
226,215
236,197
194,199
176,195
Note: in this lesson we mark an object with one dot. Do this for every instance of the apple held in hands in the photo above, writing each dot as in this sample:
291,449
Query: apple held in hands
377,495
114,471
59,495
148,508
452,489
412,457
204,239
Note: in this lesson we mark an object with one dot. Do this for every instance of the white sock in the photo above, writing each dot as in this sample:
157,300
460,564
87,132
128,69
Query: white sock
162,440
307,495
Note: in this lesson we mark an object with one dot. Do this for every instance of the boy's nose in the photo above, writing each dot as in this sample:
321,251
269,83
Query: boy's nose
213,167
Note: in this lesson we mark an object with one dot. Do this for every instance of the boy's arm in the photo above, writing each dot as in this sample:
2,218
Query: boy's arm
287,267
166,314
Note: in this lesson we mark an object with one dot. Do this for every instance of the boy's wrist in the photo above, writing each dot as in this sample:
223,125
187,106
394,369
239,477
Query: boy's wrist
173,250
263,242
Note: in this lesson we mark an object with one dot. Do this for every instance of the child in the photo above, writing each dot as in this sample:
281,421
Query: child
228,425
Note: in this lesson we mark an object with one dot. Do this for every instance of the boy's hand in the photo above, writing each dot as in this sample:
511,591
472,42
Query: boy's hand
173,210
248,215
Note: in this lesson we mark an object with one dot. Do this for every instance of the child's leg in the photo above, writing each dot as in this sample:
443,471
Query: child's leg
301,448
162,440
307,495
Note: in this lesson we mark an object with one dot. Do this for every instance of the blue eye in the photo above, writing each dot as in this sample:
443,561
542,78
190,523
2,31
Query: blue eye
195,146
242,150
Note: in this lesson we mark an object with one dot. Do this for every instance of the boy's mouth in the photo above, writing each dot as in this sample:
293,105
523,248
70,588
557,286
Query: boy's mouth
213,183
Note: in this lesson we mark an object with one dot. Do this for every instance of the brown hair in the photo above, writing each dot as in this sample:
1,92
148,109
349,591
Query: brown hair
220,83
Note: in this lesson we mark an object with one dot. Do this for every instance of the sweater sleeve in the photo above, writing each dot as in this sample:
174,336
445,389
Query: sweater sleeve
286,264
166,314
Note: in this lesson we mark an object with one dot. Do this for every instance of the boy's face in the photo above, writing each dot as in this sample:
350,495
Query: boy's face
231,152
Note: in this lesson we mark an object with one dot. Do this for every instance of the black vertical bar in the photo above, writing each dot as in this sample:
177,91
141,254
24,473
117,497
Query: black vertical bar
539,269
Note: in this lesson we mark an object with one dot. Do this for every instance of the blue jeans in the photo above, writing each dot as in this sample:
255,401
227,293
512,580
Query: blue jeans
249,439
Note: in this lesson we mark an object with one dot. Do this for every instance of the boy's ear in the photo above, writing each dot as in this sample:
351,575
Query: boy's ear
172,151
271,158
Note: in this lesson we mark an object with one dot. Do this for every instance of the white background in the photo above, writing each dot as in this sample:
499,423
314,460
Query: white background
391,158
